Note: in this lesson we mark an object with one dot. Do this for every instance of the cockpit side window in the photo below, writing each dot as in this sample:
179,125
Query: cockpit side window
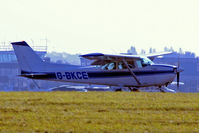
131,64
139,63
104,67
121,65
112,66
109,66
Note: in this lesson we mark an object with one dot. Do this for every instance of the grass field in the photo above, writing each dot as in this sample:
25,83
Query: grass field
99,112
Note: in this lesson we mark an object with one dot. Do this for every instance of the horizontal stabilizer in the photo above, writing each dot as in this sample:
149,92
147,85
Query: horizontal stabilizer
39,75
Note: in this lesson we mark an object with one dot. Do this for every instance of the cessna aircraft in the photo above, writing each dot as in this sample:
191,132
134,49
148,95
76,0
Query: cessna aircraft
132,71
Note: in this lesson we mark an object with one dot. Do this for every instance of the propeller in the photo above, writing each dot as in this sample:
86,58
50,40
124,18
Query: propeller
178,79
178,73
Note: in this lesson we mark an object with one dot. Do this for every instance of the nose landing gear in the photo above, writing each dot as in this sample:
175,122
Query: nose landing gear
165,89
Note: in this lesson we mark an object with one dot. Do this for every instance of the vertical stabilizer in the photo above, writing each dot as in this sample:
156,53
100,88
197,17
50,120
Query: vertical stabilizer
28,60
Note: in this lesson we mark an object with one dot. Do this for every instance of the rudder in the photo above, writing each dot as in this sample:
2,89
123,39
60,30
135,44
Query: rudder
28,60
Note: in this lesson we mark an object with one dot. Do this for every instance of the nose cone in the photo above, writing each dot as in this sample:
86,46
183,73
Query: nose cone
180,70
177,69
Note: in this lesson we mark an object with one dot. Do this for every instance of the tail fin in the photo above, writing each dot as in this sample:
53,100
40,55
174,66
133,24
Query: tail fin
28,60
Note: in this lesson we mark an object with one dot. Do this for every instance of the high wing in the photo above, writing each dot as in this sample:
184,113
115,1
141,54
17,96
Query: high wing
100,58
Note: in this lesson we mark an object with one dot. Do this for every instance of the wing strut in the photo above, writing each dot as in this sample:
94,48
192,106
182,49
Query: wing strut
132,73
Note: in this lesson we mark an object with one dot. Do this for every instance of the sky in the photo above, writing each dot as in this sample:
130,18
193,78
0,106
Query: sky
109,26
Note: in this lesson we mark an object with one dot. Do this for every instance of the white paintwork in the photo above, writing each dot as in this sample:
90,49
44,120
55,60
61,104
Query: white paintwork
34,67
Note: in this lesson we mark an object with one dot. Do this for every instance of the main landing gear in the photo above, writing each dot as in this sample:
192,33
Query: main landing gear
125,89
133,89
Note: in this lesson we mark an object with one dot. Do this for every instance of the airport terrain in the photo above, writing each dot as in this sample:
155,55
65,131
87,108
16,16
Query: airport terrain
99,112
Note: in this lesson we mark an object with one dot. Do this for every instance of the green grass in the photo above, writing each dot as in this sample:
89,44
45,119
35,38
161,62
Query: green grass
99,112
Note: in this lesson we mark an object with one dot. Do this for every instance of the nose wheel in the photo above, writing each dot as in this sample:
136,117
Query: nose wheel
165,89
161,90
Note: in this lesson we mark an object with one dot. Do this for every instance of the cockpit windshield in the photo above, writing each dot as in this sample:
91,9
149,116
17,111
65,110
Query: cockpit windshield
146,61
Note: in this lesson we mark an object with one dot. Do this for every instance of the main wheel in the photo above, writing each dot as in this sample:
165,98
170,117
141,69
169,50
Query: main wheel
118,89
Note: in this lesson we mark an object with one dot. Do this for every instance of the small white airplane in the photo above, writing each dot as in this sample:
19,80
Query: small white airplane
132,71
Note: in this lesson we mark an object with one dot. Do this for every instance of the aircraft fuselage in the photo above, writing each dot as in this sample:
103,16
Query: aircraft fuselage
153,75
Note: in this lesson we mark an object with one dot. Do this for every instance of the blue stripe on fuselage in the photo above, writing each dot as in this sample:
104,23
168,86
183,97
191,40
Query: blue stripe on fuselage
51,75
120,74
